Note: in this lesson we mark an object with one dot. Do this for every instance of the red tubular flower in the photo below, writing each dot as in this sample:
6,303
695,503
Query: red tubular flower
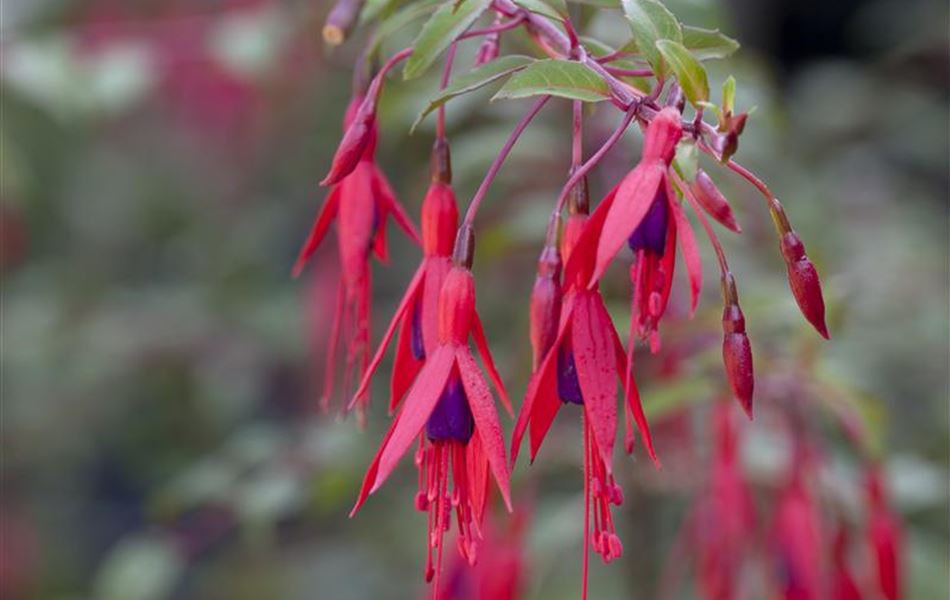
723,520
450,409
885,532
797,541
802,275
713,202
582,367
417,313
499,573
736,349
644,212
843,585
360,203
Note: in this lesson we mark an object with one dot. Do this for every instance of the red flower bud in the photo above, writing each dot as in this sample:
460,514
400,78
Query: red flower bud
359,139
713,202
545,305
439,209
802,275
736,350
456,306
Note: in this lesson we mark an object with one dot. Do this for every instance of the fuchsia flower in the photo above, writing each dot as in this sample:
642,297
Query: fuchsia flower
450,409
417,313
645,213
722,525
843,585
582,367
797,540
360,200
885,531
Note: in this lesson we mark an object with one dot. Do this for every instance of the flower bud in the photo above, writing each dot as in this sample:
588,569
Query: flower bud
736,350
713,202
802,276
545,304
488,50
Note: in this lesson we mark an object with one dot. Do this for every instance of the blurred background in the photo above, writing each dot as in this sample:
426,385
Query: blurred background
161,368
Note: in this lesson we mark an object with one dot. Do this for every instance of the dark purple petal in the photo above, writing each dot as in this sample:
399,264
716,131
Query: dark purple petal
568,387
650,234
452,418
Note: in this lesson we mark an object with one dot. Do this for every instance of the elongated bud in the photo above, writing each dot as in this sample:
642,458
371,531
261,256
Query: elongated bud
713,202
662,135
456,306
736,350
359,139
545,304
340,21
802,276
727,142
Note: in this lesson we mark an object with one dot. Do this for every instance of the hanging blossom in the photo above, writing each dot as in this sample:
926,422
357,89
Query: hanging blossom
416,316
885,536
797,538
582,367
360,200
722,524
450,409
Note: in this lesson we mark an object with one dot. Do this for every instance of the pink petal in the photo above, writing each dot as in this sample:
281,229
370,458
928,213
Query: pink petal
388,197
633,199
477,464
596,370
690,250
416,409
633,404
318,231
405,365
487,426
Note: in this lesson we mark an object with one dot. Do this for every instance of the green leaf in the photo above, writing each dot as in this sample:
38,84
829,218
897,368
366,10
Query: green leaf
400,19
439,31
373,9
555,9
651,22
480,77
686,160
689,71
707,44
729,95
563,78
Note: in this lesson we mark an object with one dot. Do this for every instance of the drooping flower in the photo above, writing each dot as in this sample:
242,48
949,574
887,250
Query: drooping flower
417,313
582,367
645,214
885,532
450,409
360,202
723,520
796,539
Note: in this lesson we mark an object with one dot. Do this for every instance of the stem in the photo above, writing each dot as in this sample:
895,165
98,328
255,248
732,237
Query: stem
577,137
446,75
499,160
500,27
629,72
585,168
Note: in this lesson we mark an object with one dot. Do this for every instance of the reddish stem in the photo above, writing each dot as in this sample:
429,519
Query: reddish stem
446,76
629,72
499,161
581,171
710,232
500,27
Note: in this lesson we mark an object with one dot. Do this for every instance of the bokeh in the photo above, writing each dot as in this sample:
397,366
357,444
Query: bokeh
160,367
